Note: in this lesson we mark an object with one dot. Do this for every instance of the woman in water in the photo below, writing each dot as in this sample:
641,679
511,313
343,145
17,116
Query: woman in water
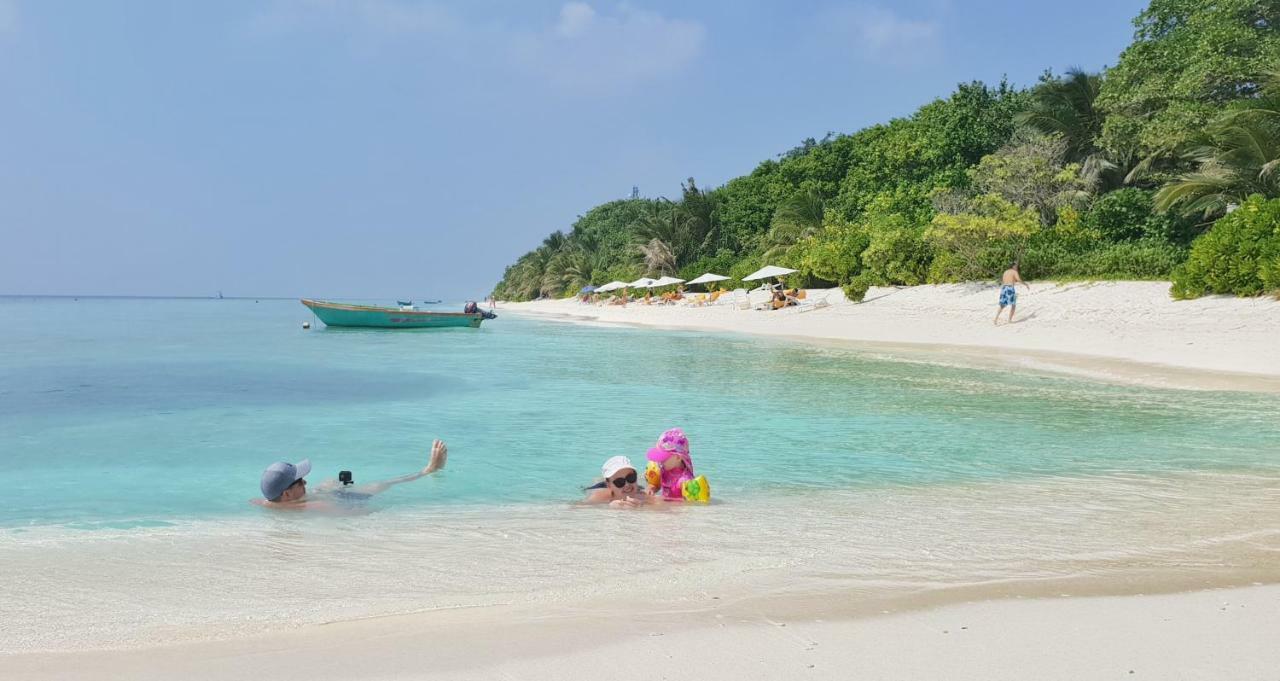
619,488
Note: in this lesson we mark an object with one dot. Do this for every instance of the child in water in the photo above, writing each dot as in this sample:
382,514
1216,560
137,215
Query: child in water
671,454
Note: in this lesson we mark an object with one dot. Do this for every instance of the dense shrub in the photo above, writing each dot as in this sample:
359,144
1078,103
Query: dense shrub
896,252
1128,214
1240,254
1142,259
834,253
720,263
970,245
856,289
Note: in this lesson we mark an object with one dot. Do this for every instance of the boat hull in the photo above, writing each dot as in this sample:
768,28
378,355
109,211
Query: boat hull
371,317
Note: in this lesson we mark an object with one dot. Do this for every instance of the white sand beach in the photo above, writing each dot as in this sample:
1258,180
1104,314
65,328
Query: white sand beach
1127,331
1210,635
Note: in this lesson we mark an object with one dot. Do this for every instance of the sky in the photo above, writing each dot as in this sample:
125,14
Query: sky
413,149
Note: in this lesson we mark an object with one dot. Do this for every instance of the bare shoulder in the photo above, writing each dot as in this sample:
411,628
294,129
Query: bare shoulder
598,496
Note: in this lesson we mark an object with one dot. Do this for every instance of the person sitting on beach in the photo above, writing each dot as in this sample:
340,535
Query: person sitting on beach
284,487
619,488
1009,294
781,299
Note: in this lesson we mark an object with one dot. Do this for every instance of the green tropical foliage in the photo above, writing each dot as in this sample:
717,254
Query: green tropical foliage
992,229
1083,175
1240,255
1189,58
1237,157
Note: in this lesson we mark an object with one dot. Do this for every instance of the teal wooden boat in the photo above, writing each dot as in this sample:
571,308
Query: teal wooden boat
374,317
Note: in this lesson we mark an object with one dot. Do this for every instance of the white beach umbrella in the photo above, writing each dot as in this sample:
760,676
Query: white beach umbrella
768,272
643,282
667,281
706,279
611,286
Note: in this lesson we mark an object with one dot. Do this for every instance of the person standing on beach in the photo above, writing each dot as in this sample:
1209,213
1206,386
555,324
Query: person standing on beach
284,487
1008,292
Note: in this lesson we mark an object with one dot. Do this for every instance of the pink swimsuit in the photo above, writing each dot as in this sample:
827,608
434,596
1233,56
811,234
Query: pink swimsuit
673,483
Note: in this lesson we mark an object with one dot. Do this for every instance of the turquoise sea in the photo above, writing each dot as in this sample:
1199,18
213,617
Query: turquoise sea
133,433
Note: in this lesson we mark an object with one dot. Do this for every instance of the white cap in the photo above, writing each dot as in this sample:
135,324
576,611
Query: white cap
614,465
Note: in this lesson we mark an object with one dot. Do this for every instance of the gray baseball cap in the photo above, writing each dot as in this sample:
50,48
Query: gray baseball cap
279,475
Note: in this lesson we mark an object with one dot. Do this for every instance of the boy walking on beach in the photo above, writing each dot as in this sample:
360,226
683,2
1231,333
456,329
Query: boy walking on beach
1009,294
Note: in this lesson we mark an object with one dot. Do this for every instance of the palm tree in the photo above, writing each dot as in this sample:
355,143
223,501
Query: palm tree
663,221
1239,156
1064,107
658,256
555,242
527,275
702,218
578,267
797,218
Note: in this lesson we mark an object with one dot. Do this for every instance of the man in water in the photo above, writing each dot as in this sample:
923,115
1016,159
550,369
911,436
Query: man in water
284,486
1009,294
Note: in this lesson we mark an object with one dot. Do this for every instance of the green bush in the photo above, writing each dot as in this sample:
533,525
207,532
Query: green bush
896,252
1146,259
720,263
1129,214
833,254
1240,254
972,245
856,289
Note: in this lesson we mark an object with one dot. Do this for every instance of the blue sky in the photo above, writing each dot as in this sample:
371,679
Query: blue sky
399,148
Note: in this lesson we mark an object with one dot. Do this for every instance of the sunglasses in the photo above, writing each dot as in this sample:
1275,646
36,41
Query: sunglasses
623,482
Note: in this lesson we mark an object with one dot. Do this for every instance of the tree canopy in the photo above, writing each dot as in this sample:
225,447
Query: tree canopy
1108,174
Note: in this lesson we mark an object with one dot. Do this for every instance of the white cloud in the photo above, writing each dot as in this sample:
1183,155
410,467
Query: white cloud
582,49
588,50
8,16
575,17
881,35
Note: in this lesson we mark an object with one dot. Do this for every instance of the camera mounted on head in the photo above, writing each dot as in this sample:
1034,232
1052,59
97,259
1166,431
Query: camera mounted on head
344,477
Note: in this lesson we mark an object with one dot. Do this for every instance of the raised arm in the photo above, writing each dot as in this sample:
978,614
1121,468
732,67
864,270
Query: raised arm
439,455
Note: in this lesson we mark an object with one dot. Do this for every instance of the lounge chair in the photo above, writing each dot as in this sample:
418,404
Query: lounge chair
818,301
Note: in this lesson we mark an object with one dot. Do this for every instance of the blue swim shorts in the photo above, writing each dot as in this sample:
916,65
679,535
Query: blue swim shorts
1008,295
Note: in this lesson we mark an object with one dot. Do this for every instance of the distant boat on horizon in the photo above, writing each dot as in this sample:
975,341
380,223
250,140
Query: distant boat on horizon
219,295
376,317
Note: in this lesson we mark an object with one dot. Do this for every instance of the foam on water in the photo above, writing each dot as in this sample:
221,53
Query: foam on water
133,438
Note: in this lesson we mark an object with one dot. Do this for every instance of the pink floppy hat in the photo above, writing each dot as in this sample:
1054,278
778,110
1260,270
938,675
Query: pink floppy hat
672,443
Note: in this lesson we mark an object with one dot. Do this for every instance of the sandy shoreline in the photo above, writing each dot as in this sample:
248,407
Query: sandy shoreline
1130,332
1217,634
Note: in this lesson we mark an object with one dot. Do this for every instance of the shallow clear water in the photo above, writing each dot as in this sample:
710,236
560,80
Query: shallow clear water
133,433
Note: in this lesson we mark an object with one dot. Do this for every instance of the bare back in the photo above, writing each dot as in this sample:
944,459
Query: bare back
1010,277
